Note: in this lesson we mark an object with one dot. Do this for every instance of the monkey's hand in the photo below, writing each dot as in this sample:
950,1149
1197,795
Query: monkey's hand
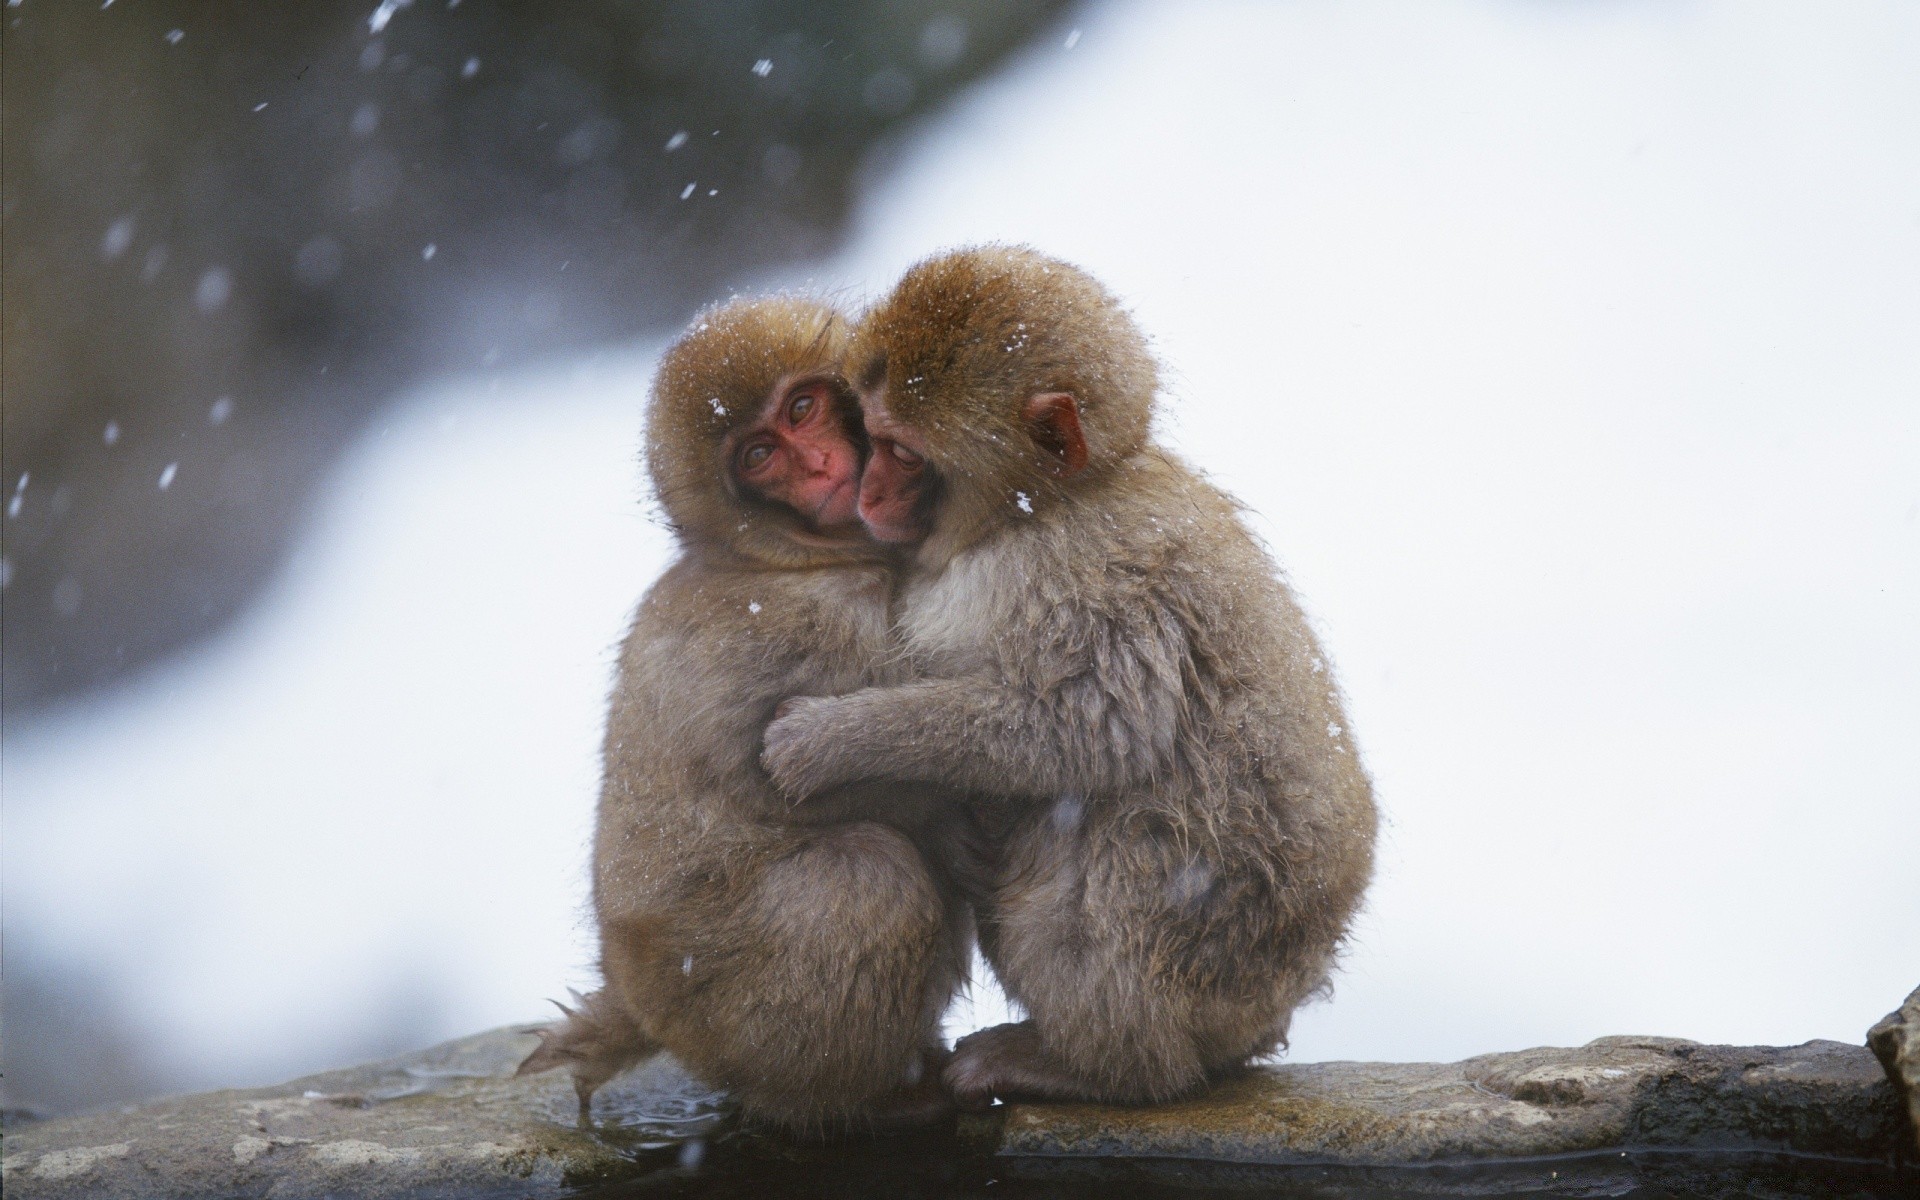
804,748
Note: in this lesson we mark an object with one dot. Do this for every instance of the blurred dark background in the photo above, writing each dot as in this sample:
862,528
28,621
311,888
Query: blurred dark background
234,230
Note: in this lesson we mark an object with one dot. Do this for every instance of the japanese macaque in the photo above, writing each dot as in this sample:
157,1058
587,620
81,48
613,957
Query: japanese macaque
803,967
1098,639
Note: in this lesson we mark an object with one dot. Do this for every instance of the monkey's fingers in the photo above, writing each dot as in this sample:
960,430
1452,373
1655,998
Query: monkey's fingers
786,757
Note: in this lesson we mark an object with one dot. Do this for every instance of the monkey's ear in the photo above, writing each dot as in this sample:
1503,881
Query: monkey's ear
1053,421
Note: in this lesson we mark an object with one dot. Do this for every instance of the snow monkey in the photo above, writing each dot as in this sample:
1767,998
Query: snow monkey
1096,636
804,967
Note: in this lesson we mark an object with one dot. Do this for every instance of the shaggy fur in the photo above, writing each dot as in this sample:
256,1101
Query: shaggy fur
1188,826
803,967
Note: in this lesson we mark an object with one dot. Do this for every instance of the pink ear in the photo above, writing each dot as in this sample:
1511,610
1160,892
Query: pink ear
1053,420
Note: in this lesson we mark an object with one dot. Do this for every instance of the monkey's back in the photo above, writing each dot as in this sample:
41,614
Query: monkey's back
715,645
1237,807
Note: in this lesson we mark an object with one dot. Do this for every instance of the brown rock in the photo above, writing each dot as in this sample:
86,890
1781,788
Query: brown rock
1617,1093
1604,1119
1895,1041
449,1121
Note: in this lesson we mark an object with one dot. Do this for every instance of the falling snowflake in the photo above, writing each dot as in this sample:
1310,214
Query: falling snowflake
211,293
384,13
118,237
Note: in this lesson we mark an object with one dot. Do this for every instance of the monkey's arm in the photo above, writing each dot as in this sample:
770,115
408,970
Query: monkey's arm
975,736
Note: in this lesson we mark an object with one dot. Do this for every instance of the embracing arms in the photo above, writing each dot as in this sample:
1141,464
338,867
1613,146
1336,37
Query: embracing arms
1109,720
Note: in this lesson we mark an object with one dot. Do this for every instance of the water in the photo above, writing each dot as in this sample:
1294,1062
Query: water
943,1167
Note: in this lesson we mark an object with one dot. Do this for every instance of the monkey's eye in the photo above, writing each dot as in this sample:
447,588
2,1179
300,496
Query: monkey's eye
904,456
755,456
802,407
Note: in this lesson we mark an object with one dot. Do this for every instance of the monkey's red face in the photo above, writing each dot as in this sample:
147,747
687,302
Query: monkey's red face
803,453
897,486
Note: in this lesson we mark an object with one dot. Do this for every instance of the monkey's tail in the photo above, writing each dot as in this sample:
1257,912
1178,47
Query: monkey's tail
596,1038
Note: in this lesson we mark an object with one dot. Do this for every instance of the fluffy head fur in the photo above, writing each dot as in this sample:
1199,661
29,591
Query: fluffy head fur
967,337
714,382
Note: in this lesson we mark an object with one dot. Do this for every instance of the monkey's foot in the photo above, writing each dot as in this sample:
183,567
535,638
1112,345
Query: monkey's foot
921,1102
1005,1061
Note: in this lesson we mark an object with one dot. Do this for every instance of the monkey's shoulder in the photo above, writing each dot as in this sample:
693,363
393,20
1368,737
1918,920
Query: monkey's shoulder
729,617
1150,526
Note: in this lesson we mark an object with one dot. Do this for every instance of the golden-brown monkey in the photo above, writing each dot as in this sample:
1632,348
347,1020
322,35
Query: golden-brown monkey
1096,636
803,968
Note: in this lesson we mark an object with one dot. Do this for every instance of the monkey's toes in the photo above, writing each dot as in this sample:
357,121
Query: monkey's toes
986,1064
970,1084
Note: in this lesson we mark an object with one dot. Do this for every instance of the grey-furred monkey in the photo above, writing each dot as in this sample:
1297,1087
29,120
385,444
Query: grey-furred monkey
1098,639
802,966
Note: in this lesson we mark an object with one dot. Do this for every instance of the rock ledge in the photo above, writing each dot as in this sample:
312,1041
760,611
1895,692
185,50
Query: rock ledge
453,1121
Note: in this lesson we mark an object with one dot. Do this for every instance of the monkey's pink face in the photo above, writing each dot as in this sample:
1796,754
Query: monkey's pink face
802,454
896,486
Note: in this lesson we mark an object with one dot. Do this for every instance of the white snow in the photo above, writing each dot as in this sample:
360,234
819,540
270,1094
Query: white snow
118,237
384,13
215,286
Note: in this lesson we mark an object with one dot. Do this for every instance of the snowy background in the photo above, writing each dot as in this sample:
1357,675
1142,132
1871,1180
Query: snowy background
1568,356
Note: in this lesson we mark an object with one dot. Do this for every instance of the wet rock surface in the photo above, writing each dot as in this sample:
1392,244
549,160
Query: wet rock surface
1825,1098
1628,1116
1895,1041
449,1121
